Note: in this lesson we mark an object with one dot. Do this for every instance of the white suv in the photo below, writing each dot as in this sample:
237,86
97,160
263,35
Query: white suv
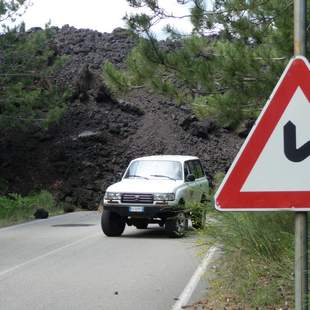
155,189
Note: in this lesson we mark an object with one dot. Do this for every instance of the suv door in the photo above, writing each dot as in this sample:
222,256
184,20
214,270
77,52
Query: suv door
200,185
189,186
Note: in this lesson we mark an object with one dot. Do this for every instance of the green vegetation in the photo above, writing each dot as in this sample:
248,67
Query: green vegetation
257,266
258,261
115,79
256,269
27,92
15,208
9,9
228,75
28,63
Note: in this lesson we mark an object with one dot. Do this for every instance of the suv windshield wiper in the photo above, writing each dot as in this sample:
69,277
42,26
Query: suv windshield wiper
162,176
137,176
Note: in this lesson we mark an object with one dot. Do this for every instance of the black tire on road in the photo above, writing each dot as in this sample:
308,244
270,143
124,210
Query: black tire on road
112,224
176,226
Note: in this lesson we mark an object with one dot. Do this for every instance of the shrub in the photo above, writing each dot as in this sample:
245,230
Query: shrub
258,256
15,208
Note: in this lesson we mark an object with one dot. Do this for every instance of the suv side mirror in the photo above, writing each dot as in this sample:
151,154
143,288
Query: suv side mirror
190,178
118,177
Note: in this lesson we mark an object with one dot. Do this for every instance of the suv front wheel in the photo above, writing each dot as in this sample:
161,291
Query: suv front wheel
112,224
177,225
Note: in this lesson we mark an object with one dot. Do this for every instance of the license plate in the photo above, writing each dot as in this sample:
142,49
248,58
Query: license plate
136,209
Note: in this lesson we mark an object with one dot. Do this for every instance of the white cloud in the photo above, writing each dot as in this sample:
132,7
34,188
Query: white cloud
101,15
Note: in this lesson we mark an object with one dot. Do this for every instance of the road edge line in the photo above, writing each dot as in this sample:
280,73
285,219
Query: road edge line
193,282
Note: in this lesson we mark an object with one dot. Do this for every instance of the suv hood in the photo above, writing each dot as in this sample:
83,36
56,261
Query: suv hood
145,186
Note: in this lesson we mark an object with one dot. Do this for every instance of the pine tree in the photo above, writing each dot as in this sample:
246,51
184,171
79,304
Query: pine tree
27,65
229,64
9,9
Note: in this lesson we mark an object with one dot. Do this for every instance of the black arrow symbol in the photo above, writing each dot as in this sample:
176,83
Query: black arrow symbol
290,150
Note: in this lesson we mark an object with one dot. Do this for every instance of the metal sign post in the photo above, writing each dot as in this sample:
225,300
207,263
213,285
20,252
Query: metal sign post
301,220
301,261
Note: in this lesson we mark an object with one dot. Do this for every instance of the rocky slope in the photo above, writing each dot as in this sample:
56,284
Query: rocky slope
90,146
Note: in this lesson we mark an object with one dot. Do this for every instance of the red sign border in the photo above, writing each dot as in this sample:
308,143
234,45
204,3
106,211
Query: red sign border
229,197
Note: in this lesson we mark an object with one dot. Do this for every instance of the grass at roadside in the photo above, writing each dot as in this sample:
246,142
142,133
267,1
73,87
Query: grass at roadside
16,209
257,265
258,259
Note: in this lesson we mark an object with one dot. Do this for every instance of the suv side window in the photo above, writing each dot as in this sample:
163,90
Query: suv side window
191,168
186,170
198,171
195,168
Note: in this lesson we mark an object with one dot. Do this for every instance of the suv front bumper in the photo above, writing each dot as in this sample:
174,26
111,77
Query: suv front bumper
149,211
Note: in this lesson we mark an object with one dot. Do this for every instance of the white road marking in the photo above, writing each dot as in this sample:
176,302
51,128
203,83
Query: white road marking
192,284
2,273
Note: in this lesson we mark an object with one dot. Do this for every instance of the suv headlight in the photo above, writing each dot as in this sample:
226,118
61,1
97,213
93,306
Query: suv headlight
112,196
164,196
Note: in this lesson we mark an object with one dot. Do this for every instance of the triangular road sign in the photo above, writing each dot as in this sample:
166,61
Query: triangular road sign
272,168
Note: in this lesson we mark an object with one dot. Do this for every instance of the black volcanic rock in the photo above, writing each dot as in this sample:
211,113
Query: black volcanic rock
41,214
87,150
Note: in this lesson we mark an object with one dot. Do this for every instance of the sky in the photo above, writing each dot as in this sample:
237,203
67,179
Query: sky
101,15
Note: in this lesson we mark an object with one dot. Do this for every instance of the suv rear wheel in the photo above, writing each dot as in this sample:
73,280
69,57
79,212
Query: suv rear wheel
176,226
112,224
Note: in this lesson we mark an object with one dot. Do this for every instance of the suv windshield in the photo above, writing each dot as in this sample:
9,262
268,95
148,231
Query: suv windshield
155,169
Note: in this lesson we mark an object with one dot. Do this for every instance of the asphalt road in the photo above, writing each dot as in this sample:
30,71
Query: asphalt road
66,262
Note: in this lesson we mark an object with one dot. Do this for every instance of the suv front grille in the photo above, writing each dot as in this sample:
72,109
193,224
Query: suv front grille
137,198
